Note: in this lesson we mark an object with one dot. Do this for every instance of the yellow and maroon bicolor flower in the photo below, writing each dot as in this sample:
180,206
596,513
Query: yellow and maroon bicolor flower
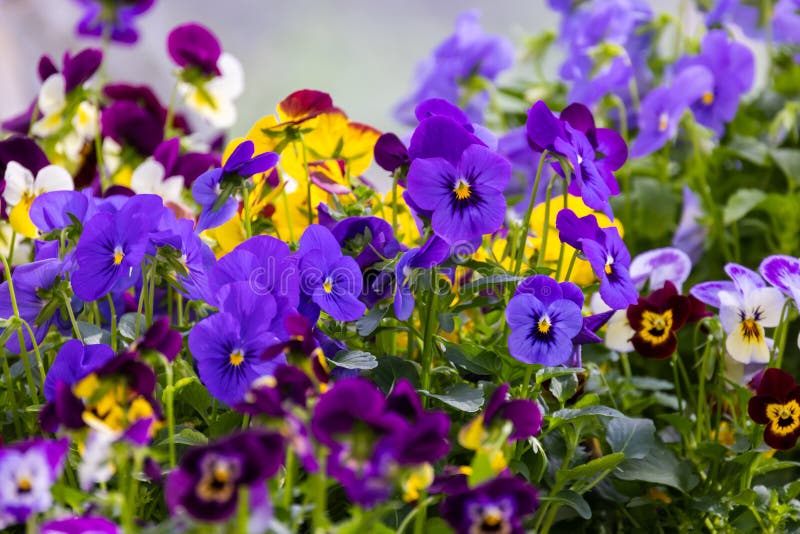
777,406
656,319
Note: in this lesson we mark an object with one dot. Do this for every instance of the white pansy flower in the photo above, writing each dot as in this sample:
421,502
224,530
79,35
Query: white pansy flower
213,100
50,104
149,178
22,189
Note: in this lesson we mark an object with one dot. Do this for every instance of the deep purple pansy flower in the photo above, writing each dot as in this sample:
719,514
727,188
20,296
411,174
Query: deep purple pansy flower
390,152
523,414
193,45
465,200
329,280
113,20
207,482
79,525
498,505
543,321
206,189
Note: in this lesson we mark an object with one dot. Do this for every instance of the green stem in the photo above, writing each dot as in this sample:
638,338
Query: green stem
151,297
701,393
179,305
422,514
526,221
776,358
20,336
395,179
288,484
112,312
427,341
140,305
11,249
73,321
12,394
248,228
171,110
571,264
308,181
169,393
242,511
563,247
546,230
319,516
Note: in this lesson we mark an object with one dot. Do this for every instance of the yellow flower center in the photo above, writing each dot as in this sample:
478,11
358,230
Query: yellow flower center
492,518
544,325
462,190
751,331
784,418
217,483
236,358
663,122
118,255
708,98
656,326
24,485
327,285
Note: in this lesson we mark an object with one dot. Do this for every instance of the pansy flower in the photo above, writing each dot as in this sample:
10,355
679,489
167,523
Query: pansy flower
79,525
28,471
776,405
206,484
465,200
228,345
655,267
663,107
73,363
499,505
329,280
112,20
746,307
783,272
544,317
21,189
606,253
434,252
390,152
656,319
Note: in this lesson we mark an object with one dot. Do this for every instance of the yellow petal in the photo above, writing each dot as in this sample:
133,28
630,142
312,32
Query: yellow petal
471,436
20,218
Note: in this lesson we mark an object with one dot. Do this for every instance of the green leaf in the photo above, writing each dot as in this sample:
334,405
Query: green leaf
546,373
391,369
587,470
461,396
788,161
563,387
472,358
660,466
127,325
774,465
741,203
569,414
367,324
93,334
651,384
488,281
481,469
632,437
573,500
187,436
750,149
355,359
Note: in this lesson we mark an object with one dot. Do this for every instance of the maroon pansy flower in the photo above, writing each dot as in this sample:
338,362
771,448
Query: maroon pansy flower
776,404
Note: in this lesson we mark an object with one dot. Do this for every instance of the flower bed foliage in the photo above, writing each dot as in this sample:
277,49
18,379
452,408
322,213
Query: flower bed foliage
572,308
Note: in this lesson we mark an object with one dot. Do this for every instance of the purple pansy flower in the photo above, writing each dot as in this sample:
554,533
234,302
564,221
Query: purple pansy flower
656,267
783,272
55,210
329,280
79,525
732,66
194,46
433,252
543,321
207,188
469,52
498,505
27,472
663,107
112,247
466,200
207,482
523,414
227,346
605,251
113,19
74,362
390,152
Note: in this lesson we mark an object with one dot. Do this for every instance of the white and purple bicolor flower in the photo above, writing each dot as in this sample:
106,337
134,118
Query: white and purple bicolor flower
746,307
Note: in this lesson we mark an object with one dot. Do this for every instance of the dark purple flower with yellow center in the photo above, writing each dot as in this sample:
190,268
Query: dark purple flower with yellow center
207,482
498,505
227,346
112,247
329,280
776,404
543,322
465,200
112,19
657,319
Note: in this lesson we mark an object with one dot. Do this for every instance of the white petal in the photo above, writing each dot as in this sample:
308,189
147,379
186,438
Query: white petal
769,302
111,154
53,178
619,332
52,95
71,146
231,81
147,177
171,189
19,181
47,126
730,310
744,351
85,120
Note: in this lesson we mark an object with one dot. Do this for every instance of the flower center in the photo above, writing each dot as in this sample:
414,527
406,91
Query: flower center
327,285
462,189
580,159
608,268
237,357
784,418
217,483
751,331
708,98
544,325
118,255
656,327
663,121
24,485
492,520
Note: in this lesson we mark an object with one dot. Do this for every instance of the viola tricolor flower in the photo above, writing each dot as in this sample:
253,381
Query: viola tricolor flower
746,307
783,272
27,472
112,19
654,268
498,505
465,200
656,319
329,280
776,404
606,252
544,317
22,189
207,482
